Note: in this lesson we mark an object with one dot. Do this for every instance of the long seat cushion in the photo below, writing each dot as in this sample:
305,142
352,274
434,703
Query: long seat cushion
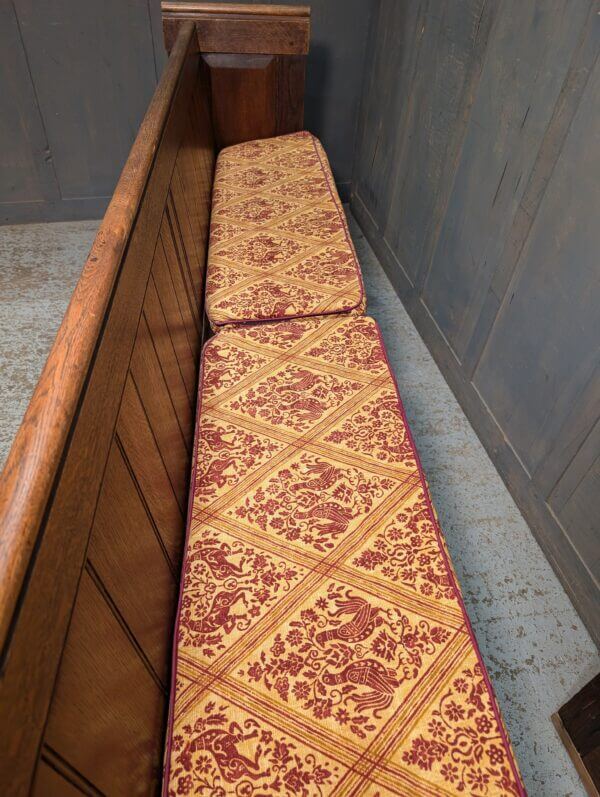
322,644
279,242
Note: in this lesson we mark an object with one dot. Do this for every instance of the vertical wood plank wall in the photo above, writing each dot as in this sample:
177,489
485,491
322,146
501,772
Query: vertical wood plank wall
476,180
73,94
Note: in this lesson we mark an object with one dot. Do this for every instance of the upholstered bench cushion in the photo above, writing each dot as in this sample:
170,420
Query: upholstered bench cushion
279,242
322,644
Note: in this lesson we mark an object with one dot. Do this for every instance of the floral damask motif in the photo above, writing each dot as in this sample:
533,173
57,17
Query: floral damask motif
313,501
295,397
301,159
221,195
259,148
329,266
378,431
225,365
225,755
314,223
353,344
345,657
407,551
463,742
220,231
260,250
254,178
311,186
220,277
258,210
270,299
226,451
226,586
282,335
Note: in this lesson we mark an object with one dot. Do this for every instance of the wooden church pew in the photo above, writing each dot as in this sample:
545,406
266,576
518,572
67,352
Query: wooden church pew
95,512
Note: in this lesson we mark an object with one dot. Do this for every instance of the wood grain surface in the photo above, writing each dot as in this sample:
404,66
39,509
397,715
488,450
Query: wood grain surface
93,497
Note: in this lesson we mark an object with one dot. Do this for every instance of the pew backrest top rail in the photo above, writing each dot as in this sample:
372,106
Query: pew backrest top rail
238,9
241,29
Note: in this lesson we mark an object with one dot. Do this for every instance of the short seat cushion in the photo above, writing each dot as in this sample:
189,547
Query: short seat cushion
322,643
279,242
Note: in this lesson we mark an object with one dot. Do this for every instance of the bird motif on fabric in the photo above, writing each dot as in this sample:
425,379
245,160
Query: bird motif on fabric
328,519
323,476
363,623
307,408
304,380
380,680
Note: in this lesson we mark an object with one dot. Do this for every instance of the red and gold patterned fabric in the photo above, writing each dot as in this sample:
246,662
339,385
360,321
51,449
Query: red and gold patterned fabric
322,645
279,243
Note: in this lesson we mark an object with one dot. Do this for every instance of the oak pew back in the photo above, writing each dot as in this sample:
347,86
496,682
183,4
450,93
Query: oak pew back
93,497
94,491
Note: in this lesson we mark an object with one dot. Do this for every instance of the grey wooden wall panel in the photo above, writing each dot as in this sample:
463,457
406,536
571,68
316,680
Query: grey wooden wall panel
76,80
398,28
579,465
420,82
93,68
527,59
26,173
545,345
450,50
584,56
77,76
480,194
160,54
581,512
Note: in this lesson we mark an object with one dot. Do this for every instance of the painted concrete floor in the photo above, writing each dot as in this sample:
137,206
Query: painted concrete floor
536,649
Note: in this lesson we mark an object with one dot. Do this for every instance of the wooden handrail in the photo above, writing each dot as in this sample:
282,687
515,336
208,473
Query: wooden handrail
35,459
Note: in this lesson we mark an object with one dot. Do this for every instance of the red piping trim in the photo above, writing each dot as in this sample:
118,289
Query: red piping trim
326,171
441,544
174,651
450,571
241,322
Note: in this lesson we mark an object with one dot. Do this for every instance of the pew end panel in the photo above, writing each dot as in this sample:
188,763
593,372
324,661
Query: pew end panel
256,59
94,494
